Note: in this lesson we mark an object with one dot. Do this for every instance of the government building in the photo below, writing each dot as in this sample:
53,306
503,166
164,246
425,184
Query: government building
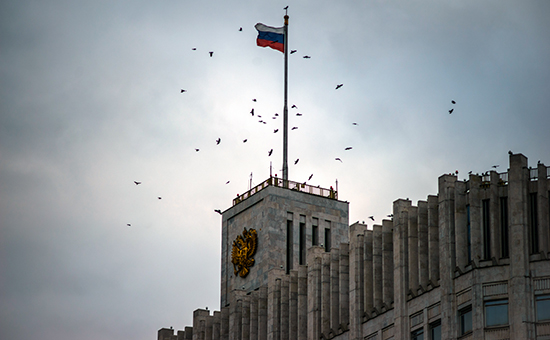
471,262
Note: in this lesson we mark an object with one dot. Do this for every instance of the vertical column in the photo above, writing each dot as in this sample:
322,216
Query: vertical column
423,262
314,260
235,315
543,209
518,195
302,302
369,273
208,330
387,263
433,239
254,314
356,257
245,323
334,289
285,307
188,333
461,225
344,285
262,313
293,305
377,265
325,295
474,198
447,254
400,265
274,304
216,321
413,250
224,324
199,323
495,215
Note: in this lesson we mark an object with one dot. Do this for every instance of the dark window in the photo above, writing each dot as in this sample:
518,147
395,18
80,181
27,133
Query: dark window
496,313
543,307
533,223
302,243
435,330
315,232
327,239
418,334
486,230
504,226
465,320
469,234
289,245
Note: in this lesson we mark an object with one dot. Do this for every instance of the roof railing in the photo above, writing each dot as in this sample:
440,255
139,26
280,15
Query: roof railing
279,182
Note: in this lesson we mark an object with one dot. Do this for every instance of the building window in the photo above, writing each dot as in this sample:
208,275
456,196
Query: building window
289,243
315,232
496,313
435,330
486,230
327,239
418,334
465,320
302,240
469,234
533,223
504,226
543,307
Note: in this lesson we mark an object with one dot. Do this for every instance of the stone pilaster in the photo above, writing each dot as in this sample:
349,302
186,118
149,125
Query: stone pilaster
334,289
274,304
400,264
377,266
216,321
254,314
302,302
543,209
494,212
433,239
285,307
356,257
293,305
325,295
368,274
245,322
387,263
224,323
413,250
344,285
314,260
199,323
461,225
474,200
262,312
423,250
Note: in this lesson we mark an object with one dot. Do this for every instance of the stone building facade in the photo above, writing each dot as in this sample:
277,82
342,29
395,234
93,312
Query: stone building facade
471,262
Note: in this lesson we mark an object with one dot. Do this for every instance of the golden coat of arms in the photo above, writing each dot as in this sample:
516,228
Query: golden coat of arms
244,248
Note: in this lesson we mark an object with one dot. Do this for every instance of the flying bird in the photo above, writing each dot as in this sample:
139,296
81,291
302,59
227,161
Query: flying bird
451,111
296,161
310,176
307,57
227,182
269,152
354,123
348,148
275,131
219,212
294,128
294,107
240,29
194,49
299,114
252,111
197,150
293,51
338,159
244,141
128,224
137,183
452,101
211,53
159,198
218,141
276,115
259,116
182,90
339,86
254,99
371,217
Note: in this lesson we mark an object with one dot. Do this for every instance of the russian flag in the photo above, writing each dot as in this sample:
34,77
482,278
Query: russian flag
273,37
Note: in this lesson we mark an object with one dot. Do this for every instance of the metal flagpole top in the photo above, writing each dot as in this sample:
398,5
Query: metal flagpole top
285,108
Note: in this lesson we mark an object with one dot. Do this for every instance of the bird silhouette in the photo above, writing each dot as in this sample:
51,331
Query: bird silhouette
137,183
310,176
275,131
452,101
339,86
159,198
244,141
259,116
194,49
299,114
296,161
227,182
294,128
197,150
269,152
510,152
307,57
252,111
354,123
128,224
390,215
276,115
348,148
211,53
285,8
240,29
254,99
371,217
218,141
338,159
182,90
495,166
451,111
293,51
294,107
219,212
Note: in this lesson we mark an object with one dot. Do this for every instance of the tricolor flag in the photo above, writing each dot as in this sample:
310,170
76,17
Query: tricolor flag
273,37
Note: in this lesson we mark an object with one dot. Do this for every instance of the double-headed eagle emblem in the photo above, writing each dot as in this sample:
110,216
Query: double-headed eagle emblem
244,248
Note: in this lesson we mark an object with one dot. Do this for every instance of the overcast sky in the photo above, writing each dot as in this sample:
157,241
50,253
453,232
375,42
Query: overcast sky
90,102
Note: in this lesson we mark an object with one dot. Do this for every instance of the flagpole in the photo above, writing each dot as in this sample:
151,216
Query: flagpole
285,109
